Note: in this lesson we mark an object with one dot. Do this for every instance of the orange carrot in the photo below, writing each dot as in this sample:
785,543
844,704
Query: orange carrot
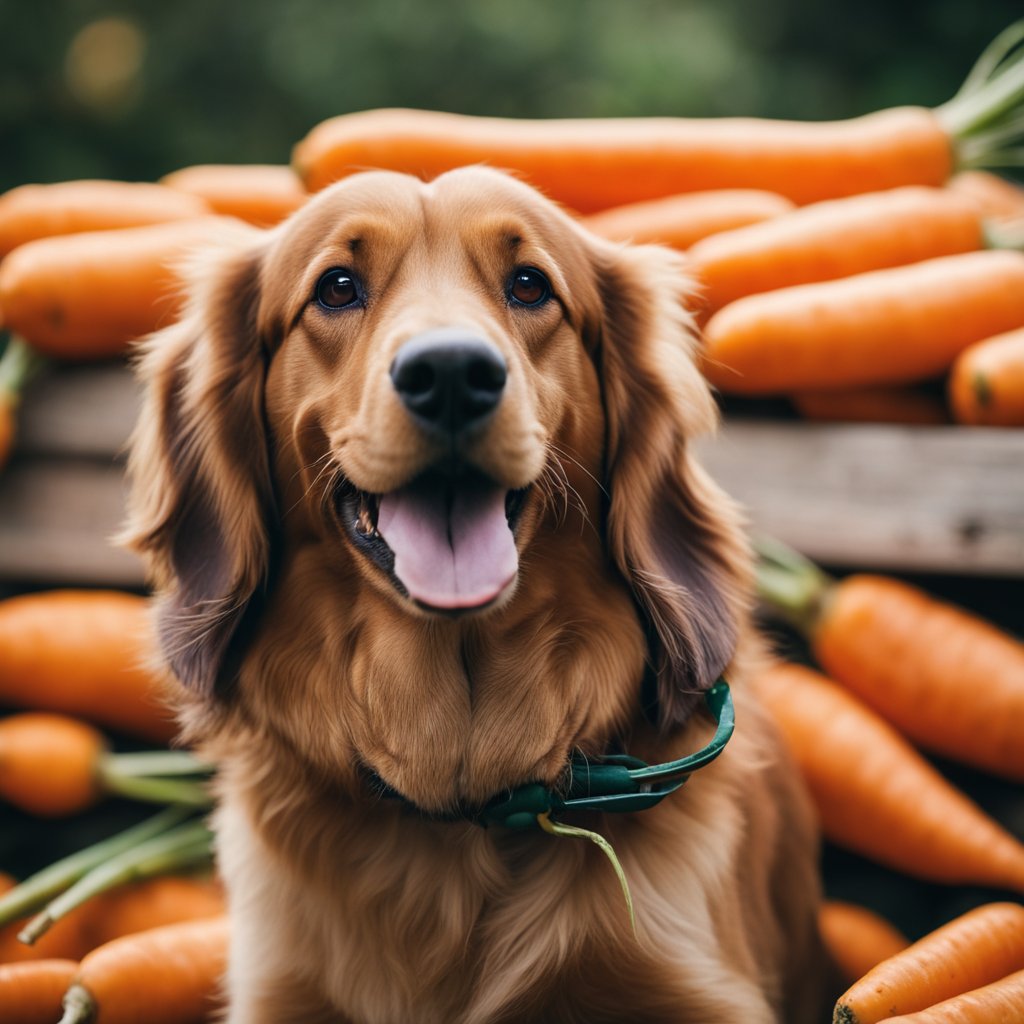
986,384
49,763
29,212
124,910
946,679
877,796
166,975
975,949
833,239
64,941
262,194
595,164
872,405
886,326
681,220
86,296
153,903
992,196
857,938
1002,1000
83,653
30,993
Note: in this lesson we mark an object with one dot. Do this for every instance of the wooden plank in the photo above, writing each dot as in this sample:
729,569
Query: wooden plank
933,499
83,411
909,498
56,520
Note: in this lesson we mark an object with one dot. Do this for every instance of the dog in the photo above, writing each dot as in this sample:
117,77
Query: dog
413,482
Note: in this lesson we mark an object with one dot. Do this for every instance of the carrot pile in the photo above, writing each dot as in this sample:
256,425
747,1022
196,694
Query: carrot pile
905,671
89,935
850,267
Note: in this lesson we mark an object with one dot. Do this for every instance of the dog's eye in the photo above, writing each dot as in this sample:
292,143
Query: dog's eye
529,287
337,288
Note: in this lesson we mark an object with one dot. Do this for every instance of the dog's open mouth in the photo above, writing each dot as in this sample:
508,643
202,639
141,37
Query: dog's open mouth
448,542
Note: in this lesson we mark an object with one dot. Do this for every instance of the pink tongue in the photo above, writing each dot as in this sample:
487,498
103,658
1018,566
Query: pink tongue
453,547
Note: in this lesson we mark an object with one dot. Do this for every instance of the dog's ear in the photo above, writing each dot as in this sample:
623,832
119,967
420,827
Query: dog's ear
200,506
670,530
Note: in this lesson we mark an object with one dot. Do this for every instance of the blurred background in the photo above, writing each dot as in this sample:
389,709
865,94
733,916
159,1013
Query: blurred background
134,90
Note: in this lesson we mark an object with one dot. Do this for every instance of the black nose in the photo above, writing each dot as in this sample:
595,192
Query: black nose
448,379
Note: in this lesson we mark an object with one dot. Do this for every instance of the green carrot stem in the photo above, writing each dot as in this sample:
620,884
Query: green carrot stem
790,585
152,790
79,1005
18,365
1010,157
994,140
991,57
1003,236
157,763
34,892
557,828
996,91
184,846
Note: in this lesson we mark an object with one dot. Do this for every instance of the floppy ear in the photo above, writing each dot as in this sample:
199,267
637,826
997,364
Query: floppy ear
673,534
201,497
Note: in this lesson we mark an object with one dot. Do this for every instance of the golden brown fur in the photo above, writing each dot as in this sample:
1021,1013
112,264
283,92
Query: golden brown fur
304,666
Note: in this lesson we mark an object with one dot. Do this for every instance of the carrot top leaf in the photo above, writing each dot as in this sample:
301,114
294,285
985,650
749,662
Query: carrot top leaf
985,119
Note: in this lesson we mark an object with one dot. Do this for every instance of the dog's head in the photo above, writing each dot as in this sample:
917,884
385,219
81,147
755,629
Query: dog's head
445,390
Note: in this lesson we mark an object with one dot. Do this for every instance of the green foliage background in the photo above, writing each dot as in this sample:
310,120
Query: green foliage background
225,81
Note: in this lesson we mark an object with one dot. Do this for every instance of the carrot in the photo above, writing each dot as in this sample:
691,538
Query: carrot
595,164
877,796
29,212
49,763
152,903
833,239
882,327
166,975
993,196
977,948
872,405
125,910
262,194
1002,1000
62,942
986,384
83,653
949,681
681,220
30,993
857,938
86,296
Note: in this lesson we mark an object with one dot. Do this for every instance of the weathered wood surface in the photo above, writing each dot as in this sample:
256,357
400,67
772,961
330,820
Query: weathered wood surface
908,498
921,499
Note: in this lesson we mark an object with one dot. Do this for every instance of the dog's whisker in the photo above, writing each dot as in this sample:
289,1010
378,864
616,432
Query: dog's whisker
329,465
560,474
561,451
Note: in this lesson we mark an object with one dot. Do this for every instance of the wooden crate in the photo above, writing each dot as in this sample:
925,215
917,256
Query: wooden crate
932,499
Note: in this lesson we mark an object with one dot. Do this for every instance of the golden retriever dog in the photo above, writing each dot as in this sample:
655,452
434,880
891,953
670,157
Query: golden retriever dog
413,481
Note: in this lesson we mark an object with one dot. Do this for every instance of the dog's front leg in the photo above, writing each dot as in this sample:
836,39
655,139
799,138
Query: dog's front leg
266,981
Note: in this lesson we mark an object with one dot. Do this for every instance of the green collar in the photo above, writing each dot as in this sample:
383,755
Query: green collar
615,783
